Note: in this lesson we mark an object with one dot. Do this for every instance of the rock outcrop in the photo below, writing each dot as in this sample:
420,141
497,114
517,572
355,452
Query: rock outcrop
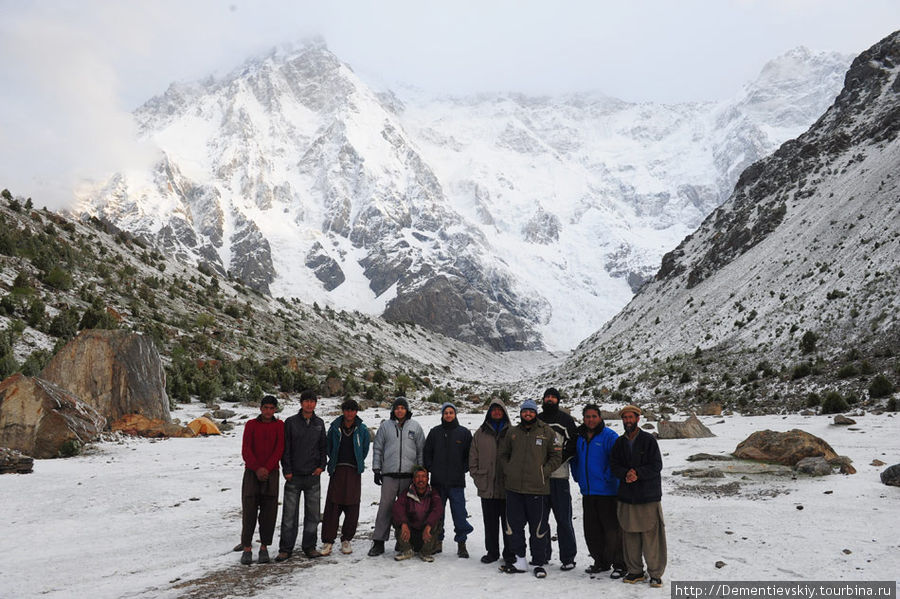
141,426
691,428
15,462
43,420
115,372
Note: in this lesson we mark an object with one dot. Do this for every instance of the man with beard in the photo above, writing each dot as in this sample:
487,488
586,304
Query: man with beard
485,470
590,469
528,454
447,459
560,494
417,515
398,447
348,446
637,463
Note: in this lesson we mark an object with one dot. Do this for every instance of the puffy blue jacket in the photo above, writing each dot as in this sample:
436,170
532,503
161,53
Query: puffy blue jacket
590,464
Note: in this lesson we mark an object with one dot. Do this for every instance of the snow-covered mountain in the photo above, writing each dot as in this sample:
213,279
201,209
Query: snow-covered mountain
510,221
799,270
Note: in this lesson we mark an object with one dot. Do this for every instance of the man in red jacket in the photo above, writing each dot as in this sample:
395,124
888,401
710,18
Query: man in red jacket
418,518
263,444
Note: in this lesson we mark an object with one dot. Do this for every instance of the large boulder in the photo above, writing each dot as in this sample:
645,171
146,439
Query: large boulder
43,420
138,425
116,372
691,428
891,476
783,448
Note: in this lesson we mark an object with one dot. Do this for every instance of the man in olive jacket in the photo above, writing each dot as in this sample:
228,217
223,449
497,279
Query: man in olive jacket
529,453
484,467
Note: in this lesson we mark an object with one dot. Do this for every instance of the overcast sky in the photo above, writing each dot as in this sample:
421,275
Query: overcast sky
71,71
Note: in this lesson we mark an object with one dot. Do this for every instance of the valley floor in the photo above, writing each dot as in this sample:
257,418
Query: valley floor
140,518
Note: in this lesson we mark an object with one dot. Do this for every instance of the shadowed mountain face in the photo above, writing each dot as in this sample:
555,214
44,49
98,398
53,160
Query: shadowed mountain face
508,221
801,263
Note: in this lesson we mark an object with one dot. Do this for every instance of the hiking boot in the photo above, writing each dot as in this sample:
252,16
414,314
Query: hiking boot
282,556
596,568
247,558
439,548
312,552
539,572
403,555
634,578
238,547
489,558
618,573
655,582
567,567
426,557
461,550
377,548
346,549
326,549
264,556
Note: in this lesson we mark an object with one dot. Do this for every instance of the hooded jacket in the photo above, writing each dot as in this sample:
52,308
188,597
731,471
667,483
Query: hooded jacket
417,512
590,464
484,465
446,453
528,455
398,446
361,440
644,456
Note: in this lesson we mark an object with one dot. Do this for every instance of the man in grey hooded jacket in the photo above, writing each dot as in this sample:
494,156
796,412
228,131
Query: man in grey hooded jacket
398,448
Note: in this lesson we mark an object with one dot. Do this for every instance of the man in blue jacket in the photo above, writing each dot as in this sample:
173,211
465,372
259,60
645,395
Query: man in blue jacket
348,446
590,469
303,462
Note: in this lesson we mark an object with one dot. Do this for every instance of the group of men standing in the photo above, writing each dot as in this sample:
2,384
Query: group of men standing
521,473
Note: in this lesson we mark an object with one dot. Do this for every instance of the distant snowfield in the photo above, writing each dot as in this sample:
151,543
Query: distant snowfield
142,518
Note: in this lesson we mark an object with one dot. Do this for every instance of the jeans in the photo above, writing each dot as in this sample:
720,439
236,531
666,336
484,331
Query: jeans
311,489
457,497
561,505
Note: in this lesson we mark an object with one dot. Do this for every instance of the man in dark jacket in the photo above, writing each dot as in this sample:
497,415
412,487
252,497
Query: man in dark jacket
304,460
590,468
348,446
261,448
447,459
484,467
418,515
637,463
528,454
560,494
398,447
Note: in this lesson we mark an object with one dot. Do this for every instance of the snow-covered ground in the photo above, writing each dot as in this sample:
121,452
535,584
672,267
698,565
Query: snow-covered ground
142,518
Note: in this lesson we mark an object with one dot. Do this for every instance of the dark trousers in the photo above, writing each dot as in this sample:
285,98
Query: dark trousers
457,498
290,513
533,510
259,501
416,543
602,531
561,506
331,517
493,512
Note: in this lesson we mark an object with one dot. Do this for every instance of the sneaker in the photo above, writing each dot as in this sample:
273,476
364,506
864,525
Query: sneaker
655,582
326,549
489,558
539,572
634,578
618,573
596,568
377,548
426,557
264,556
247,558
312,552
282,556
346,549
461,550
403,555
238,547
567,567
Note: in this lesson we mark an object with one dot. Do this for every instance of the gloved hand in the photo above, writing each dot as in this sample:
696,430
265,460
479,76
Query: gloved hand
378,477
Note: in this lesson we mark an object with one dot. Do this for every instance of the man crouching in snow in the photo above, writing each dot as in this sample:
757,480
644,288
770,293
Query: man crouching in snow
417,516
